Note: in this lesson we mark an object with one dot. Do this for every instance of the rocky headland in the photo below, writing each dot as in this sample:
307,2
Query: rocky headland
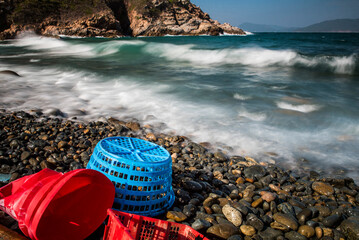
221,196
108,18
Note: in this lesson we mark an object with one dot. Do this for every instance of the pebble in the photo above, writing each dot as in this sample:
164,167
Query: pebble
223,230
332,221
257,202
213,191
323,188
306,231
248,230
286,220
177,216
255,171
233,215
200,224
270,234
318,232
268,196
294,236
350,228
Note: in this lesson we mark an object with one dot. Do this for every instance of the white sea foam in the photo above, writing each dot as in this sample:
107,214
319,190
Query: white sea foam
253,57
304,108
241,97
259,117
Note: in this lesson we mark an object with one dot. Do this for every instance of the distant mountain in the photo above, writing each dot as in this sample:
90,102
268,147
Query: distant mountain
252,27
338,25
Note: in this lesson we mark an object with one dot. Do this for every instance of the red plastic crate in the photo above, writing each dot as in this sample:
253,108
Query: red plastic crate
127,226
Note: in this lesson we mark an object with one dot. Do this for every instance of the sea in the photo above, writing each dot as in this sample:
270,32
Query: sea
285,98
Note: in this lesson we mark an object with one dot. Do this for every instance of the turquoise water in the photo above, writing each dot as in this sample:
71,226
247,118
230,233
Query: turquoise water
273,96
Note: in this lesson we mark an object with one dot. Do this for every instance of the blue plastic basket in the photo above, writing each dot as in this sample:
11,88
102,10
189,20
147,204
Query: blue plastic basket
141,172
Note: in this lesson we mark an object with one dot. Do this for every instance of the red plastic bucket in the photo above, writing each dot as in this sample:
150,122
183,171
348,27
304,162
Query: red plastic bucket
52,205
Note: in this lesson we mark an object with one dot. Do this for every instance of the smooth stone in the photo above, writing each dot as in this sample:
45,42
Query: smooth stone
304,215
279,226
328,232
235,237
255,222
217,209
177,216
332,221
306,231
220,156
192,186
201,224
296,203
323,188
350,227
286,220
61,144
286,208
323,211
248,230
270,234
255,171
189,210
257,202
294,236
319,232
268,196
233,215
223,230
25,155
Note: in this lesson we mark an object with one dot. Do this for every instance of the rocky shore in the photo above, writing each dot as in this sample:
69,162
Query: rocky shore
108,18
221,196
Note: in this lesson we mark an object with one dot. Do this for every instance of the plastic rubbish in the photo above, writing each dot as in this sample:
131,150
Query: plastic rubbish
141,172
127,226
52,205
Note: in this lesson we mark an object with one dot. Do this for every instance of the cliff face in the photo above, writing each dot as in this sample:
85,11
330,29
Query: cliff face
108,18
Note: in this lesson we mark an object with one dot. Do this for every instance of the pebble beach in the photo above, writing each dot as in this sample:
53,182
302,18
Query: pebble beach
220,195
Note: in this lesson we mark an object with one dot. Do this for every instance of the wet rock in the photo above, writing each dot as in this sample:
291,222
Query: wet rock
25,155
221,157
306,231
323,211
201,224
270,234
223,231
304,215
177,216
233,215
257,202
192,186
286,220
189,210
255,171
350,227
268,196
255,222
332,221
323,188
248,230
235,237
318,232
294,236
61,144
286,208
134,126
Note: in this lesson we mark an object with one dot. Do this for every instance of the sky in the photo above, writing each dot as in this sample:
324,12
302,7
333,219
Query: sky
287,13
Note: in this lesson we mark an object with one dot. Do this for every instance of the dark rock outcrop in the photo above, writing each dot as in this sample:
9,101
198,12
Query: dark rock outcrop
108,18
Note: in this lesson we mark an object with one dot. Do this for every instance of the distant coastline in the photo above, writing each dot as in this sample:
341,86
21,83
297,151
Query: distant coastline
332,26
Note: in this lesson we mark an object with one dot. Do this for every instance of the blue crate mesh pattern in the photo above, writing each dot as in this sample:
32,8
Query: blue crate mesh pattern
141,172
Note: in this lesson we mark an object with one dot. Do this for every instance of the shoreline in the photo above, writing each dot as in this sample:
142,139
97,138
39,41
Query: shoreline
218,195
